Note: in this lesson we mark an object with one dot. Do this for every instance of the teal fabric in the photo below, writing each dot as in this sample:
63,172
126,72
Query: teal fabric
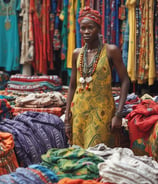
9,38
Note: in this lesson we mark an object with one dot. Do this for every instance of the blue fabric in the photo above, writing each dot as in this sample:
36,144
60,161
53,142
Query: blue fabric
29,176
9,37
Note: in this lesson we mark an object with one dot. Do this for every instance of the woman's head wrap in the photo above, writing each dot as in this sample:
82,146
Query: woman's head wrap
91,14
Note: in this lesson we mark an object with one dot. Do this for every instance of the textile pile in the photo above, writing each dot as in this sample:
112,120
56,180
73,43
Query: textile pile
26,84
34,133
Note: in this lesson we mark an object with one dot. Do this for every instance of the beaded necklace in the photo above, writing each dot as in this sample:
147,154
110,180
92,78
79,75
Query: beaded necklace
87,70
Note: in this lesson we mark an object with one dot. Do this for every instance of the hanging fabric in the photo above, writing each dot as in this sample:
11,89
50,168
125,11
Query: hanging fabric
71,32
131,66
9,35
41,28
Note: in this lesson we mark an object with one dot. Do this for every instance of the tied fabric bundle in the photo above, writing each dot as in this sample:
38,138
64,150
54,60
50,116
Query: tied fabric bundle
91,14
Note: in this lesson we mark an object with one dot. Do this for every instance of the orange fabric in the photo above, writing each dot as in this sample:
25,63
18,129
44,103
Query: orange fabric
77,181
8,161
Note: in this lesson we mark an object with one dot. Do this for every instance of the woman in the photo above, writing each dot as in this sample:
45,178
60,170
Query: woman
90,116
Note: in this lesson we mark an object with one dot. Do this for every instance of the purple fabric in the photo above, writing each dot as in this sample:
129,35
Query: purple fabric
34,133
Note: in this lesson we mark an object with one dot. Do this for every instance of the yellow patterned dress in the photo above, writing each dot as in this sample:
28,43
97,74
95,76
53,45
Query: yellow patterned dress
92,110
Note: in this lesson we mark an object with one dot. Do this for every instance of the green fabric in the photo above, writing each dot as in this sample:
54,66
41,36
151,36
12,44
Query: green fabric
72,162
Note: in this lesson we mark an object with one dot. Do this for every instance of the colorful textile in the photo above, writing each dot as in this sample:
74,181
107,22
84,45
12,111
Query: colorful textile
34,133
58,111
142,123
146,62
64,33
9,39
4,77
34,174
5,109
33,86
78,181
56,80
91,14
92,112
8,161
74,163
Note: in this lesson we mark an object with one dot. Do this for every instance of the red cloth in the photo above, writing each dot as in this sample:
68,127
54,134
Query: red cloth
91,14
142,119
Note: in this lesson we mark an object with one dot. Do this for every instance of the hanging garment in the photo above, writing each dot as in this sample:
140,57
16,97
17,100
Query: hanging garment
41,28
71,32
9,37
8,161
146,62
92,112
156,35
27,52
131,66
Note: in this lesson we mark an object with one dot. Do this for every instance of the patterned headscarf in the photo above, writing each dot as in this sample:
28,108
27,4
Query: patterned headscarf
91,14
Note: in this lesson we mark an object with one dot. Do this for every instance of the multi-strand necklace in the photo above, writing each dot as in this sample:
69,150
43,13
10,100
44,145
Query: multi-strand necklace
87,70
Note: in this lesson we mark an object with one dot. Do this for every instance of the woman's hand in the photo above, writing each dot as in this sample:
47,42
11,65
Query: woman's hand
116,124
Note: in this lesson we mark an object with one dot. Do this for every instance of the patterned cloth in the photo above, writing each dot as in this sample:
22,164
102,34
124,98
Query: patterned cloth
34,174
74,163
91,14
8,161
54,79
58,111
34,133
143,128
146,62
92,112
6,110
4,77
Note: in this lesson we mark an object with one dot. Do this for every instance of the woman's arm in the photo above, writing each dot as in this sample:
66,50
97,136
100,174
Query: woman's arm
71,91
114,53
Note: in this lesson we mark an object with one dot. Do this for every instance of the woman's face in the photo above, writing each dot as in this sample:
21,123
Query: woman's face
89,30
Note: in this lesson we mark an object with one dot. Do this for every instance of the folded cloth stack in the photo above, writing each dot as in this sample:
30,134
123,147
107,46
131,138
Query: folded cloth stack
24,83
38,100
8,161
34,133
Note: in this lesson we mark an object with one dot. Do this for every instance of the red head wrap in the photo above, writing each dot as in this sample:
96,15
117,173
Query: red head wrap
91,14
